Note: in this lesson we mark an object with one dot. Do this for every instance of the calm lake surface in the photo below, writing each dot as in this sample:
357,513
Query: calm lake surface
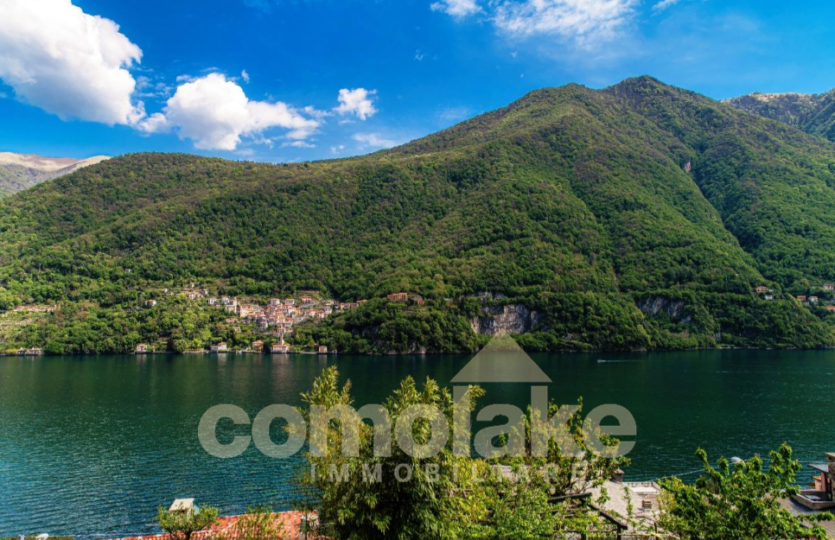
91,446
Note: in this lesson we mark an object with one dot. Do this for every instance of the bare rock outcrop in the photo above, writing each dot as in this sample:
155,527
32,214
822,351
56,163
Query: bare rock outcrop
506,319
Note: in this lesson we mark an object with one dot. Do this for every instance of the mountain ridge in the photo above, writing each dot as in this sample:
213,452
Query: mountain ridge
639,216
22,171
812,113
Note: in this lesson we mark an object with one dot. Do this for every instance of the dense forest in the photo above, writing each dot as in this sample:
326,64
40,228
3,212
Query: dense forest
639,216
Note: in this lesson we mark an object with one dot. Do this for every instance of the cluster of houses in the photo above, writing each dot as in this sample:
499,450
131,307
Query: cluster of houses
816,300
807,300
281,315
278,316
280,347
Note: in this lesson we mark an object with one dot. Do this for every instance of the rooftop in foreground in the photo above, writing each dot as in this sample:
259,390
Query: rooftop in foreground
226,528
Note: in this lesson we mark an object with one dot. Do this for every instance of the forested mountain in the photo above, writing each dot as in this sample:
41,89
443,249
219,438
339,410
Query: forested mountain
812,113
22,171
637,216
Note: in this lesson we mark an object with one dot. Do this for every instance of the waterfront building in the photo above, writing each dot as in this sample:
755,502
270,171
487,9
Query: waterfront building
819,496
280,348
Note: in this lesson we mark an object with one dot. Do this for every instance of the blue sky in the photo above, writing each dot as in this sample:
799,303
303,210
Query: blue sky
262,79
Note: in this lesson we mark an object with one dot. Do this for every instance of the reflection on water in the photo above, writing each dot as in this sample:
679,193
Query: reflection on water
92,445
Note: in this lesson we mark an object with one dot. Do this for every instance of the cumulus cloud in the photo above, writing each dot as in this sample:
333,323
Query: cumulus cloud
456,8
584,21
216,114
67,62
156,123
374,140
56,57
358,102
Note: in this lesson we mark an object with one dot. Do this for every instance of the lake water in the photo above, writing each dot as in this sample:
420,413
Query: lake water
91,446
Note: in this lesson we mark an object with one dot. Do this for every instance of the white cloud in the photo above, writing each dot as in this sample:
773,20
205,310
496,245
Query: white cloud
374,140
298,144
156,123
664,4
146,88
67,62
337,149
357,101
585,21
215,113
456,8
315,113
245,76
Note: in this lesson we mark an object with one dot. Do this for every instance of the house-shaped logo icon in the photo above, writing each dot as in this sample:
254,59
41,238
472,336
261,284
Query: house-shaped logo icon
502,360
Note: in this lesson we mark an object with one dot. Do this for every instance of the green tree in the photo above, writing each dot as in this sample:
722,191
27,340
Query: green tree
535,498
366,506
181,525
448,496
739,502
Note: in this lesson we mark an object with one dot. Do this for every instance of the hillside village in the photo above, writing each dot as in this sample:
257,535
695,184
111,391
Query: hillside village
261,325
273,321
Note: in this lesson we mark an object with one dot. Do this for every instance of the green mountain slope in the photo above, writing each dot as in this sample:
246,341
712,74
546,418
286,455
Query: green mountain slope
812,113
22,171
638,216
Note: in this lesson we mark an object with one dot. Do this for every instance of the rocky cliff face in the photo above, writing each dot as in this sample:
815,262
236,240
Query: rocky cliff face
504,320
674,309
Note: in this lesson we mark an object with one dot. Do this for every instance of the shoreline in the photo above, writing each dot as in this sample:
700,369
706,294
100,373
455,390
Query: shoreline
416,353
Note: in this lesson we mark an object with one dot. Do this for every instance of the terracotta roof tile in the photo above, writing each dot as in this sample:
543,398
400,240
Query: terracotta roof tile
292,522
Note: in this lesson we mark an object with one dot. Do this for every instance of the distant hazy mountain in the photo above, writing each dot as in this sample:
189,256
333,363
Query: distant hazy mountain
22,171
812,113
